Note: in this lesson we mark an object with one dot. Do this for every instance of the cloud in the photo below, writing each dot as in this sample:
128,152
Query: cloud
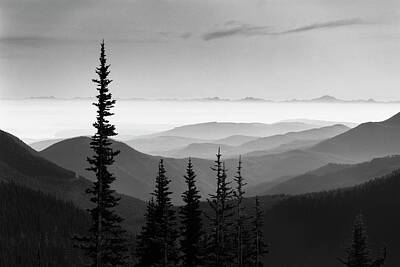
237,29
234,28
326,25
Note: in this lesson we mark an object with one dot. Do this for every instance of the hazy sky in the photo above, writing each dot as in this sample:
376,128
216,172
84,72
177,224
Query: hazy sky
274,49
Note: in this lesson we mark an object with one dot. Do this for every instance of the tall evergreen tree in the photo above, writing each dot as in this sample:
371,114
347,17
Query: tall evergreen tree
358,254
147,249
220,248
191,229
165,220
258,247
241,220
105,244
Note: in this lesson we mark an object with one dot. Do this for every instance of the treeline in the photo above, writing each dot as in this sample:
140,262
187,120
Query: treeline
36,229
224,236
315,229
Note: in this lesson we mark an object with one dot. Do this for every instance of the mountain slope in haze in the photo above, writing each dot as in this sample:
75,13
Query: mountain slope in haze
321,123
135,171
235,140
155,145
40,145
21,164
312,230
294,145
366,141
207,150
202,150
267,168
274,141
338,176
219,130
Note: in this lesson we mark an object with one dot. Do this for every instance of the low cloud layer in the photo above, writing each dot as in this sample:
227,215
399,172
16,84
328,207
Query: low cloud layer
237,29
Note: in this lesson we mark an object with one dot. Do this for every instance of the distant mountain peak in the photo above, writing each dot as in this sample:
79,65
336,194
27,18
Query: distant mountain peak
332,99
326,98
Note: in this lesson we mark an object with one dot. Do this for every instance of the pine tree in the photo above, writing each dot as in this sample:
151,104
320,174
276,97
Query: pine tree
105,245
358,254
259,247
38,261
241,220
191,229
147,249
166,232
220,248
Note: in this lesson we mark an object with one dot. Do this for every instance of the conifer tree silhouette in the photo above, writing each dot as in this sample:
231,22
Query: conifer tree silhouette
191,230
241,219
105,245
165,221
220,246
258,245
359,253
147,249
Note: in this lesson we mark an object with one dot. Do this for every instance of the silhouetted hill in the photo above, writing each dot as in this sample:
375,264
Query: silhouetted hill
21,164
336,176
219,130
312,230
135,171
366,141
18,156
33,223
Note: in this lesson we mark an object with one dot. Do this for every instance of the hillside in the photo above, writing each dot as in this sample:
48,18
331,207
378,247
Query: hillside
219,130
312,230
275,141
40,145
33,223
366,141
202,150
155,145
21,164
261,145
235,140
294,145
134,170
338,176
268,168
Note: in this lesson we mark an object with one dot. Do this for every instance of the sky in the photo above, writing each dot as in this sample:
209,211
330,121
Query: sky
274,49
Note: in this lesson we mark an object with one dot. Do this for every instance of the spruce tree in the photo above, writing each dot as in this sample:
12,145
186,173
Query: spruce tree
165,221
105,245
191,224
358,254
241,220
220,248
258,245
147,249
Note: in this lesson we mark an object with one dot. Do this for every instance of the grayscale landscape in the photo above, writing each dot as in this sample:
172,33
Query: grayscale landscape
199,133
